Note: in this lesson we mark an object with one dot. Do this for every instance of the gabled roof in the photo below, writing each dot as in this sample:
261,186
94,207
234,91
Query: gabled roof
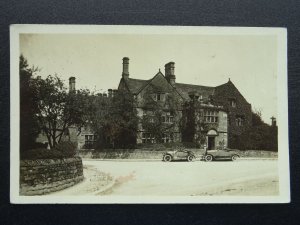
228,87
184,90
135,85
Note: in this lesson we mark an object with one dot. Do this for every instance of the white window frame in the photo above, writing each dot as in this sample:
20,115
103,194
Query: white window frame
211,116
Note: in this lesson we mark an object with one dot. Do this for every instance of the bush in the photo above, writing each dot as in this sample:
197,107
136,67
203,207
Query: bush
41,153
39,145
256,138
67,148
62,150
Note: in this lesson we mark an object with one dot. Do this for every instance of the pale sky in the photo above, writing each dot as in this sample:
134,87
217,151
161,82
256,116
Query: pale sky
250,61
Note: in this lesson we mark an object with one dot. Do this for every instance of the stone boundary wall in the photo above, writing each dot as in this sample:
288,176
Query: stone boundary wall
42,176
146,154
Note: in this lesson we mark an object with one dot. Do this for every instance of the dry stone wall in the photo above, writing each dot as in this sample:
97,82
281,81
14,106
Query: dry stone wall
38,177
155,155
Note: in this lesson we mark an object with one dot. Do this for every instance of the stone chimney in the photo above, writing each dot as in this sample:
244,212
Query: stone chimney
72,84
170,72
110,92
115,92
273,121
125,73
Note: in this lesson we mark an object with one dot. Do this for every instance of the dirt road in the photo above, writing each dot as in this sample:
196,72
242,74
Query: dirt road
244,177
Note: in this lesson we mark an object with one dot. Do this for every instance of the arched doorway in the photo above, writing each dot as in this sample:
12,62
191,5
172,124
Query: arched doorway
211,139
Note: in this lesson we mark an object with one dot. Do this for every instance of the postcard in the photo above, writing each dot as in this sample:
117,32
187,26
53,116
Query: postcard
148,114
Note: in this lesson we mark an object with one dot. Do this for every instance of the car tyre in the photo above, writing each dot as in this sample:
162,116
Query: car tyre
190,158
167,158
234,157
208,158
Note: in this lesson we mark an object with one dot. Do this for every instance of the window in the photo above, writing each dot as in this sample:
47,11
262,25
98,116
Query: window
211,116
89,141
239,121
148,117
167,137
168,118
158,97
232,103
147,138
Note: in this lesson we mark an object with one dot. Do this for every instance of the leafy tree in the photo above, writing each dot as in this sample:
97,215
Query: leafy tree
193,126
260,136
58,109
256,117
114,120
188,125
29,128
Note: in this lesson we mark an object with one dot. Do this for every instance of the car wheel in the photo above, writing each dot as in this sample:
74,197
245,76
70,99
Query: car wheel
167,158
190,158
208,158
234,157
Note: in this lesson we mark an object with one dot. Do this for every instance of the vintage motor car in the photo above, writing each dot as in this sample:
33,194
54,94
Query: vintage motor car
178,155
226,154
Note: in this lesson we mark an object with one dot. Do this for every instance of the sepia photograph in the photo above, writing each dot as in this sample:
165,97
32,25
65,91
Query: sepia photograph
148,114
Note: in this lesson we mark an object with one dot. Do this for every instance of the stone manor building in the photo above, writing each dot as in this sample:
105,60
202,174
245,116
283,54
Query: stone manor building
220,113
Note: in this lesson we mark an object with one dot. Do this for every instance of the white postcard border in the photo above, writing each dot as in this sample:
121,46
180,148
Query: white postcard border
283,147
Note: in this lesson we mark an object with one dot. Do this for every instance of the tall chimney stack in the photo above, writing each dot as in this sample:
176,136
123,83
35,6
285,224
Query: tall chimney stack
273,121
125,73
170,72
72,84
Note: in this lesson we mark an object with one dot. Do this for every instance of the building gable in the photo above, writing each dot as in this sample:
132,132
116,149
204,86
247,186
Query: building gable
157,87
229,90
237,106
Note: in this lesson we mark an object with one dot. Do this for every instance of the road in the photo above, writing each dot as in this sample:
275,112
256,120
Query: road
138,178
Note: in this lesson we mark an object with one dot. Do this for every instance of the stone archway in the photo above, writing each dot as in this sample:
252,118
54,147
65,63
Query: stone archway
211,139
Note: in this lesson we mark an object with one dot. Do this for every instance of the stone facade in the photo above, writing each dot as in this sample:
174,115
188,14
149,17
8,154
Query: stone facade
223,109
239,110
42,176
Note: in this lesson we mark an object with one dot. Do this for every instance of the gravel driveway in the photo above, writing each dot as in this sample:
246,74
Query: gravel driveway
157,178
